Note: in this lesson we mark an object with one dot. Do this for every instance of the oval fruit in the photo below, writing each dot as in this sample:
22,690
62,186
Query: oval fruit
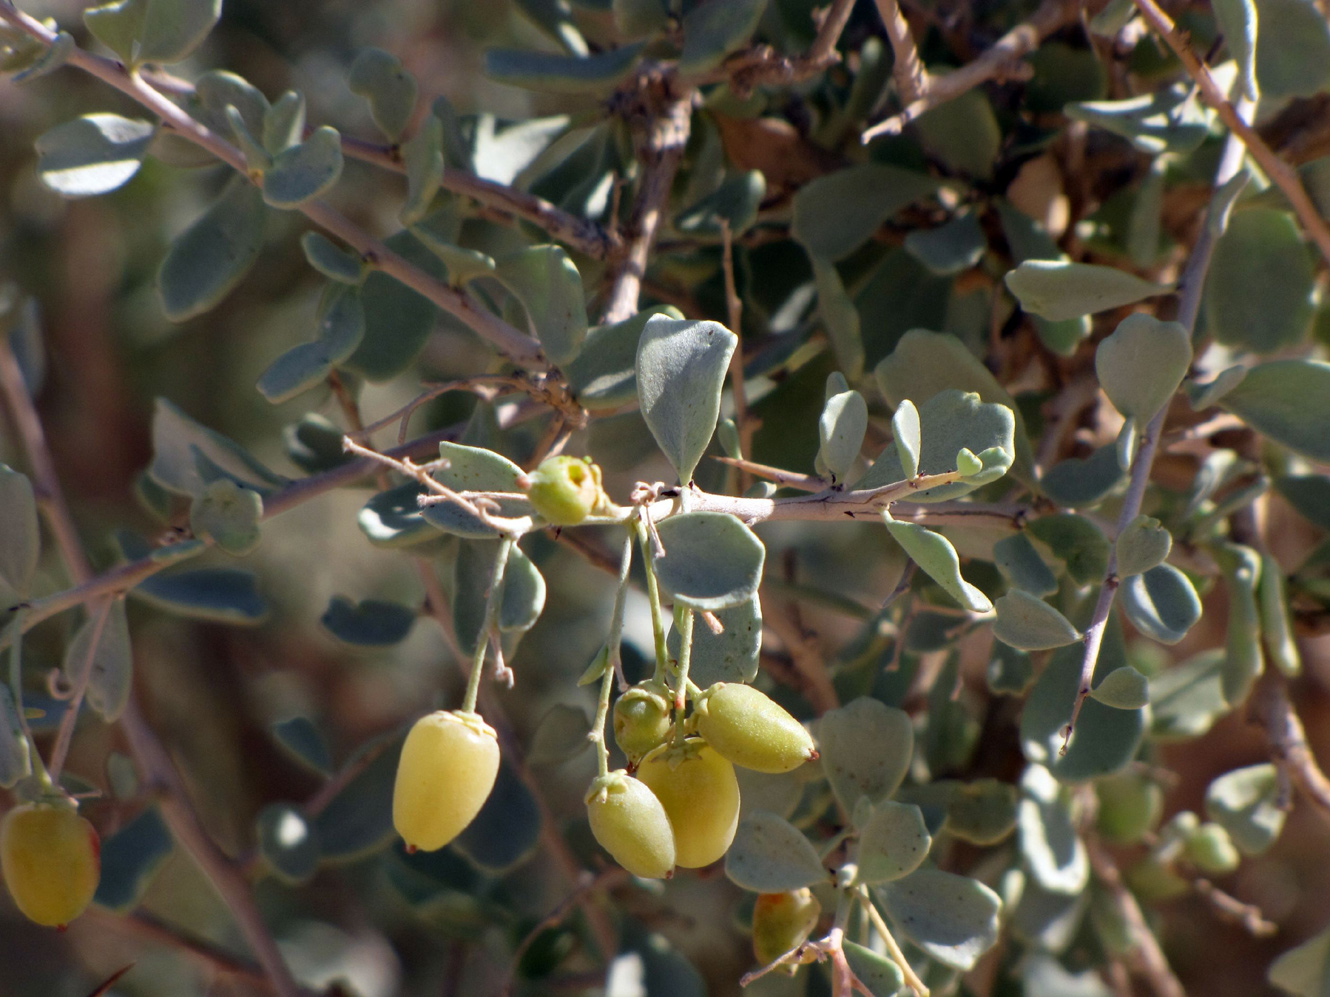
641,720
447,770
565,490
1212,851
781,923
751,729
630,823
51,859
699,791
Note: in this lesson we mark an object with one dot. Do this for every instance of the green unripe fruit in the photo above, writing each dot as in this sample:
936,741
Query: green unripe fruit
565,490
1129,806
630,824
781,923
51,859
641,720
1154,881
447,770
1212,851
699,791
750,729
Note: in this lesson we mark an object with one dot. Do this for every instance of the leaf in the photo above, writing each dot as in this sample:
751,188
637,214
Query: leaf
343,265
340,328
952,421
1076,541
1082,482
229,515
880,975
1287,401
389,87
952,247
839,316
358,819
208,259
1168,120
1243,661
187,456
1187,698
506,832
1305,970
1050,846
1010,671
288,842
734,203
223,595
837,212
111,661
1238,22
1105,740
523,594
395,519
15,750
547,283
549,73
130,858
425,167
681,368
1123,689
1142,545
963,134
305,171
711,561
1276,622
1145,223
714,29
47,60
560,736
853,772
771,855
20,536
1293,56
640,18
1030,624
604,374
982,812
934,553
1142,363
283,123
841,429
925,363
91,155
1058,290
304,742
162,31
217,89
397,319
1022,566
906,437
473,469
729,656
1259,294
1161,603
892,843
954,919
369,623
1246,802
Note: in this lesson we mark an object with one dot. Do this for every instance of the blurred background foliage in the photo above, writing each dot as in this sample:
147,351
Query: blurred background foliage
381,922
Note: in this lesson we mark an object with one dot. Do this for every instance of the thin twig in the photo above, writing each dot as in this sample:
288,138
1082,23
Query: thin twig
1271,708
1189,303
65,735
1152,962
1000,62
521,348
1230,908
912,79
734,312
760,67
1281,174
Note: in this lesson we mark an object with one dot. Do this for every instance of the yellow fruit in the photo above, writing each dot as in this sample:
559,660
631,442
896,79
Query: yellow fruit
630,824
782,922
447,770
565,490
751,729
699,791
51,858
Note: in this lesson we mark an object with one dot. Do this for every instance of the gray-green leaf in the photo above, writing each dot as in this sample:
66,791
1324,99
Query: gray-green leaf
550,73
1161,603
681,368
20,535
93,154
1144,544
306,171
1123,689
836,213
153,30
389,87
1288,401
1058,290
892,843
547,283
952,918
934,553
841,429
1030,624
771,855
1142,363
712,561
212,256
228,514
371,623
1259,293
1246,802
853,772
714,29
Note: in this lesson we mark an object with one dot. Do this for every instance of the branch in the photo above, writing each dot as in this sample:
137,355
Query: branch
519,347
912,79
1270,707
1281,174
660,145
1152,962
152,759
1189,304
761,67
1000,62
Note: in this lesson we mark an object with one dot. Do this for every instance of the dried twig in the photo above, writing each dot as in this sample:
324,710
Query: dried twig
1000,62
1150,959
1271,708
912,79
743,421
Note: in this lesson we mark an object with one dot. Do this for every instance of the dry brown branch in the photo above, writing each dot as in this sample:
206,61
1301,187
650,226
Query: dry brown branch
1150,960
1272,710
912,79
761,67
1000,62
1281,174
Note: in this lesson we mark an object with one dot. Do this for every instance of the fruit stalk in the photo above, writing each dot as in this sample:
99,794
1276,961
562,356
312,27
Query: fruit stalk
683,622
613,665
653,596
893,950
491,615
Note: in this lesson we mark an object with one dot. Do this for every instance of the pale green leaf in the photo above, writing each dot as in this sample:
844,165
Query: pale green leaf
892,843
1019,562
228,514
1246,802
306,171
20,535
838,212
712,561
853,772
1305,970
771,855
1288,401
1030,624
1050,845
954,919
1161,603
841,429
728,656
93,154
389,87
604,374
547,283
1058,290
550,73
1144,544
937,557
839,316
208,259
1142,363
715,28
1123,689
